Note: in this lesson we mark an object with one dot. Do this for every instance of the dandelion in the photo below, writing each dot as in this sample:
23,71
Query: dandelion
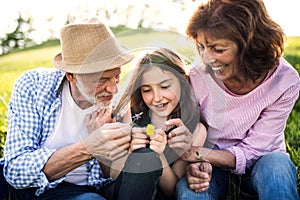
150,129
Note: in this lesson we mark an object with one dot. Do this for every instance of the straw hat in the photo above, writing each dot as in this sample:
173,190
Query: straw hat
90,47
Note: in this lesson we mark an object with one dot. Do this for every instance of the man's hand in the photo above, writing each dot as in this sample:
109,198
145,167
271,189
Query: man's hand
110,142
198,176
98,118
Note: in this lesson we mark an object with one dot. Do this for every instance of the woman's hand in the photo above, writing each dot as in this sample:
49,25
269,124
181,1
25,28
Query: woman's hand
191,154
180,138
198,176
138,138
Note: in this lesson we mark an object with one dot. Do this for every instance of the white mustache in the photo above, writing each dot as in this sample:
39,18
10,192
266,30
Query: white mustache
103,94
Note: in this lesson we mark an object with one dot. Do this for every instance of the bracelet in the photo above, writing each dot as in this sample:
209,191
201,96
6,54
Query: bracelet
200,156
201,167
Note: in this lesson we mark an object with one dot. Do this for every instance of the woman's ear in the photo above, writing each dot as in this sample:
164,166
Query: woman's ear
71,77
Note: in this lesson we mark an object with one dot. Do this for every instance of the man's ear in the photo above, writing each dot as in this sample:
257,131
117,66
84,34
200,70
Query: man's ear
71,77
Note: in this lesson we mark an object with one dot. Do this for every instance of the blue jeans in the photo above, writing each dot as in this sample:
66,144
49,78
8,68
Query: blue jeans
128,186
273,177
64,190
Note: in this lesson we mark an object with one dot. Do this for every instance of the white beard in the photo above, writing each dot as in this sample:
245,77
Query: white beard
100,105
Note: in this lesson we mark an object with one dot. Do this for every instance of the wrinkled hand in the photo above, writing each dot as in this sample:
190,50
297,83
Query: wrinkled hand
190,155
97,119
193,154
110,142
198,176
180,138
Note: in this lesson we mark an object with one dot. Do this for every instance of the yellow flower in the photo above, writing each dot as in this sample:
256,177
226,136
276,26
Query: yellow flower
150,130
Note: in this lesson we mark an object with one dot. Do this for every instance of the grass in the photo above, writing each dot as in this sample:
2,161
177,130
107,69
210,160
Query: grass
292,52
14,64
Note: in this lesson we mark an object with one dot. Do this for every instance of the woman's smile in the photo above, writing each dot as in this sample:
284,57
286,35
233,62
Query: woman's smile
219,68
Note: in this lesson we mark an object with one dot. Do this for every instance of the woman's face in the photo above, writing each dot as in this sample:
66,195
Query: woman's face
220,55
160,91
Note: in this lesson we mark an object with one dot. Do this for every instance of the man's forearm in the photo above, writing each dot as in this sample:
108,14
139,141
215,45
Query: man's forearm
65,160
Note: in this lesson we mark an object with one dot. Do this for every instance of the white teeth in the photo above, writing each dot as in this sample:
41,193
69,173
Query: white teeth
219,68
160,105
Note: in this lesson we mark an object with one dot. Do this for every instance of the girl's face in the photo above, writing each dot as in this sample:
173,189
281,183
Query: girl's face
220,55
160,91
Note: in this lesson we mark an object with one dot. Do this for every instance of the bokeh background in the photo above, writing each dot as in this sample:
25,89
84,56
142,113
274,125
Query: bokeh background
46,16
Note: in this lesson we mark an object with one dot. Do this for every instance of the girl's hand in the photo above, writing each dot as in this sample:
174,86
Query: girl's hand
158,141
179,138
138,138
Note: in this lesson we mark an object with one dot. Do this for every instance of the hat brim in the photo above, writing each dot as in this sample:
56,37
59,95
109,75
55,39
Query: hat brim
92,64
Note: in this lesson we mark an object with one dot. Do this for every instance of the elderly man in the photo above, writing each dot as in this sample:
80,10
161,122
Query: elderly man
61,136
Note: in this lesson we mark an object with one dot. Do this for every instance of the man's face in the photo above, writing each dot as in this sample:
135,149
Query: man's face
99,88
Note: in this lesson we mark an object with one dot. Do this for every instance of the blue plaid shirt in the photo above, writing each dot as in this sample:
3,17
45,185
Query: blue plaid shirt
33,108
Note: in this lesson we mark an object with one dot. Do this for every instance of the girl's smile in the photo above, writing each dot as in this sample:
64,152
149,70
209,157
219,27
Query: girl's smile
161,93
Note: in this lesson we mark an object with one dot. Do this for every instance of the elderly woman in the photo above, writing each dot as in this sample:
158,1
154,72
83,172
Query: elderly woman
246,91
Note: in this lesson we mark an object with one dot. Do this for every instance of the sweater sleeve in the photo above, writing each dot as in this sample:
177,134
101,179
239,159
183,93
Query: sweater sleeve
267,133
249,125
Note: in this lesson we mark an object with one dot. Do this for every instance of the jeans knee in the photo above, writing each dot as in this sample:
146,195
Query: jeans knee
275,177
90,196
183,191
276,162
276,168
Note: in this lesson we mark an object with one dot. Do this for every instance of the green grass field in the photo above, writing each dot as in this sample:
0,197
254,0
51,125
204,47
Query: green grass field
14,64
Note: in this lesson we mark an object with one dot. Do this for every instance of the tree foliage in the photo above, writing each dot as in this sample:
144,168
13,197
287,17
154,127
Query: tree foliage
18,38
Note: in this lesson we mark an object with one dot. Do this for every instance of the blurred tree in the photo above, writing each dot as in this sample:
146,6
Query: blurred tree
19,37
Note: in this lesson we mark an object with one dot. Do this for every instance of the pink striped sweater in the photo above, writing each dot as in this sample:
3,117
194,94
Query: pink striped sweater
250,125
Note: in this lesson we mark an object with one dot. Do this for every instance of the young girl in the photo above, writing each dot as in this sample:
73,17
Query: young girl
162,96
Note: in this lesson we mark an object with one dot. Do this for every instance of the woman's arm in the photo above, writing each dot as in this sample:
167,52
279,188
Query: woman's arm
220,158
